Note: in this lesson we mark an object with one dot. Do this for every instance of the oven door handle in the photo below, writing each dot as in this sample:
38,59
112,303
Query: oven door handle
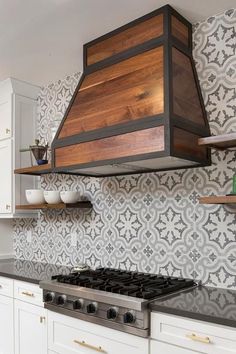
86,345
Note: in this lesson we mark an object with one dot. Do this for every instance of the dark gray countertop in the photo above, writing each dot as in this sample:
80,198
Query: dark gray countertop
209,304
32,272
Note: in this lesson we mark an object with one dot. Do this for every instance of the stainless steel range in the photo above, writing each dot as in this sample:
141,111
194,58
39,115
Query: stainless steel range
114,298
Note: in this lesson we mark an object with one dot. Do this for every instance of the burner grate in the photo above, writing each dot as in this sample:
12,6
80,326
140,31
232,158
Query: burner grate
140,285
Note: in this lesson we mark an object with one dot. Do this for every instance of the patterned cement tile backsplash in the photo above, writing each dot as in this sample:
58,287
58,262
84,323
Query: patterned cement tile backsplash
150,222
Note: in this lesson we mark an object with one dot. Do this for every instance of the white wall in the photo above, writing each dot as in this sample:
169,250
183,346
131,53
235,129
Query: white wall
6,238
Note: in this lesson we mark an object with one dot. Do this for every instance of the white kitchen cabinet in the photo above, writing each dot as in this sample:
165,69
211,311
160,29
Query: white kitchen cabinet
18,103
23,324
178,335
5,116
30,328
68,335
6,325
6,177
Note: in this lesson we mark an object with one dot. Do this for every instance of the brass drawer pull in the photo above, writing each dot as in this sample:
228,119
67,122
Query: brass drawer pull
8,207
86,345
27,293
205,340
8,131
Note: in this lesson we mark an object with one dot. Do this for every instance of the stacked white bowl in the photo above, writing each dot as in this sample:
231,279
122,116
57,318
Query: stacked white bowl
38,196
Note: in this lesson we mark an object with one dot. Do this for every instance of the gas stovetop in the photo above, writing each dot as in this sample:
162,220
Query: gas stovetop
110,297
139,285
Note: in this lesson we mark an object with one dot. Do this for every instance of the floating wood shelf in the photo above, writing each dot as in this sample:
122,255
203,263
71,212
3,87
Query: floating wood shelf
79,205
34,170
220,142
220,199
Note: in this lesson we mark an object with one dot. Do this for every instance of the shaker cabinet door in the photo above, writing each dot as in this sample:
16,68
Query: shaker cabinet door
30,329
6,325
5,118
5,177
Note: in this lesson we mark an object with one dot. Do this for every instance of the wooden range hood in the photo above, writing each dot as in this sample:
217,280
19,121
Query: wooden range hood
138,106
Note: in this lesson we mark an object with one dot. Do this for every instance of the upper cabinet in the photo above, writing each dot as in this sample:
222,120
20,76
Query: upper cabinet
18,103
5,117
5,176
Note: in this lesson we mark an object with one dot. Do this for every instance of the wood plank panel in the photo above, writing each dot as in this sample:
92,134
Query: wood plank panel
146,77
118,100
124,67
179,30
187,143
129,144
186,102
112,116
131,37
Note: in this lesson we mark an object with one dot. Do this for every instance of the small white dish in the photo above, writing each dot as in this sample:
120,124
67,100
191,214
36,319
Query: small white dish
80,267
34,196
69,197
52,197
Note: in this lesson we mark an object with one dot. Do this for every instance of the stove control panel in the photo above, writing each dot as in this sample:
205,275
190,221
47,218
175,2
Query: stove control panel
84,307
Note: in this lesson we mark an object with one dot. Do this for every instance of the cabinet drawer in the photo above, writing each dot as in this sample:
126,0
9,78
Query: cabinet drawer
67,335
193,335
163,348
27,292
6,286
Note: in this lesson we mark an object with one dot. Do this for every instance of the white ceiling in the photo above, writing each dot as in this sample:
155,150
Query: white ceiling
41,40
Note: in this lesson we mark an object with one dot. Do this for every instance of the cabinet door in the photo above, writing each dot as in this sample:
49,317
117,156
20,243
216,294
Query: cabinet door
30,329
5,118
25,133
67,335
6,325
6,177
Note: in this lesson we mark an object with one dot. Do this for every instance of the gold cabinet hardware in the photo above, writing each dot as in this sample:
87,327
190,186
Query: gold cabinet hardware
205,340
27,293
8,131
42,319
1,286
8,206
86,345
